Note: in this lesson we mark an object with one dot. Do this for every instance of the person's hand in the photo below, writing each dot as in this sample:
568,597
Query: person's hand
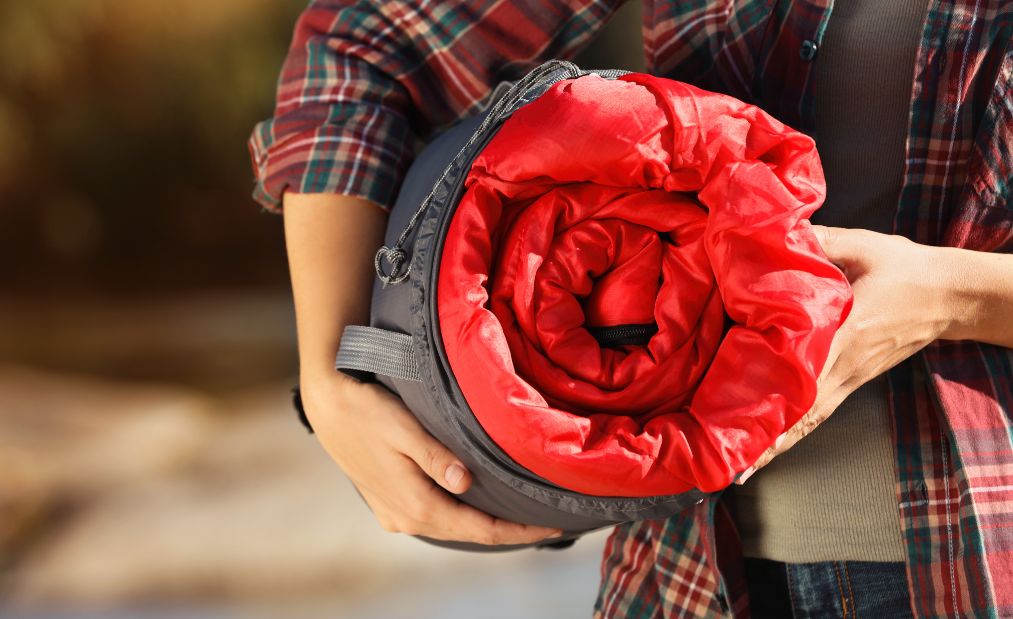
900,306
401,471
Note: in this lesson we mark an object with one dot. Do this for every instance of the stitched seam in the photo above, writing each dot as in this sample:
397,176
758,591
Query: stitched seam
840,590
791,589
851,592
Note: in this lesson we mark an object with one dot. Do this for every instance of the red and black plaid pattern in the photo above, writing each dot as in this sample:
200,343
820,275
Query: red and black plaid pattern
363,79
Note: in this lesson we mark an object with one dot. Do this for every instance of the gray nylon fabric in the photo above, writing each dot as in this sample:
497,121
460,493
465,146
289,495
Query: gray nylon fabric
378,351
500,486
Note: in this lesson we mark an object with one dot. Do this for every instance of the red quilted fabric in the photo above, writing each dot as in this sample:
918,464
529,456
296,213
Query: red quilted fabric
640,200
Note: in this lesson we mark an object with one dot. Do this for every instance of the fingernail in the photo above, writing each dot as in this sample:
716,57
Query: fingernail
454,474
555,535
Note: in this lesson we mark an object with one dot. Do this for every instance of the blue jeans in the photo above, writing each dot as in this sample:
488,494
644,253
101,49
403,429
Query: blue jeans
843,589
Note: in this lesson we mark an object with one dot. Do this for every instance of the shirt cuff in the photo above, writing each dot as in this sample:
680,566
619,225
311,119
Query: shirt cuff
362,151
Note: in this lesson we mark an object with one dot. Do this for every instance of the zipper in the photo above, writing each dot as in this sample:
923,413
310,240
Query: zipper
623,335
609,74
395,256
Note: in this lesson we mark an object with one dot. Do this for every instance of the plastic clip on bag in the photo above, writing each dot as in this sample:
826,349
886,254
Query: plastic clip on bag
603,295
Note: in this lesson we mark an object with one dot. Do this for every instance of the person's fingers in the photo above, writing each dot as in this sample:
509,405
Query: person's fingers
435,460
381,511
439,516
802,428
828,378
763,460
409,437
404,474
844,247
825,404
424,509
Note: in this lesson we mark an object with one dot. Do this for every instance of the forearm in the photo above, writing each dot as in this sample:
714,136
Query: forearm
330,240
980,295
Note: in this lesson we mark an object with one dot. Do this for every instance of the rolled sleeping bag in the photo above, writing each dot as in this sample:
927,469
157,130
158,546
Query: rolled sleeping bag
603,294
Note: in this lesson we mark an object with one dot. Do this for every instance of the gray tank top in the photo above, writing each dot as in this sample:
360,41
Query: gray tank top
832,497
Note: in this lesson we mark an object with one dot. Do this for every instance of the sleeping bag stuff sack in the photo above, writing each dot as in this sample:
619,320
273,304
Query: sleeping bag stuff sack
603,295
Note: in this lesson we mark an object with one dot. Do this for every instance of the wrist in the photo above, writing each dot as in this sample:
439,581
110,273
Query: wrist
325,394
311,371
315,375
318,351
962,296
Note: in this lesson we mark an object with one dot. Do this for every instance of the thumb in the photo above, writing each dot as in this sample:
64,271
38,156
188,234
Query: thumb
842,246
439,463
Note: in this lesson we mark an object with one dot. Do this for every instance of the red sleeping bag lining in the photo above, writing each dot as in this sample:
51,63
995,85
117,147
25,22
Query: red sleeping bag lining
639,200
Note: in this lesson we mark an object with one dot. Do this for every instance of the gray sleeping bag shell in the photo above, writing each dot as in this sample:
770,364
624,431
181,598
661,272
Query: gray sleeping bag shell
403,350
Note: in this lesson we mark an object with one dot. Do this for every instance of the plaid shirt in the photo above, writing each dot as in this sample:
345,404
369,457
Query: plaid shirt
363,79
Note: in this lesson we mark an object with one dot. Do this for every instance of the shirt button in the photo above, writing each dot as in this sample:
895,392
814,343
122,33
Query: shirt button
808,50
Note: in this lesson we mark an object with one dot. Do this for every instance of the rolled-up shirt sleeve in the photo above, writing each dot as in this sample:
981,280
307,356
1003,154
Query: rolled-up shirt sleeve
362,80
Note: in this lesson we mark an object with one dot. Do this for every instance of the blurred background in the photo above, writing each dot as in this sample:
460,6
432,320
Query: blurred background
150,464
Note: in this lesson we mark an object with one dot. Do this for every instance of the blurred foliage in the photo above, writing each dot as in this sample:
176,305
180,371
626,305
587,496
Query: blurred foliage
123,128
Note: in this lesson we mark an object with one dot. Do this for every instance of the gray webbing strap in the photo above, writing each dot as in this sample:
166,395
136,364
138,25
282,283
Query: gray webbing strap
378,351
